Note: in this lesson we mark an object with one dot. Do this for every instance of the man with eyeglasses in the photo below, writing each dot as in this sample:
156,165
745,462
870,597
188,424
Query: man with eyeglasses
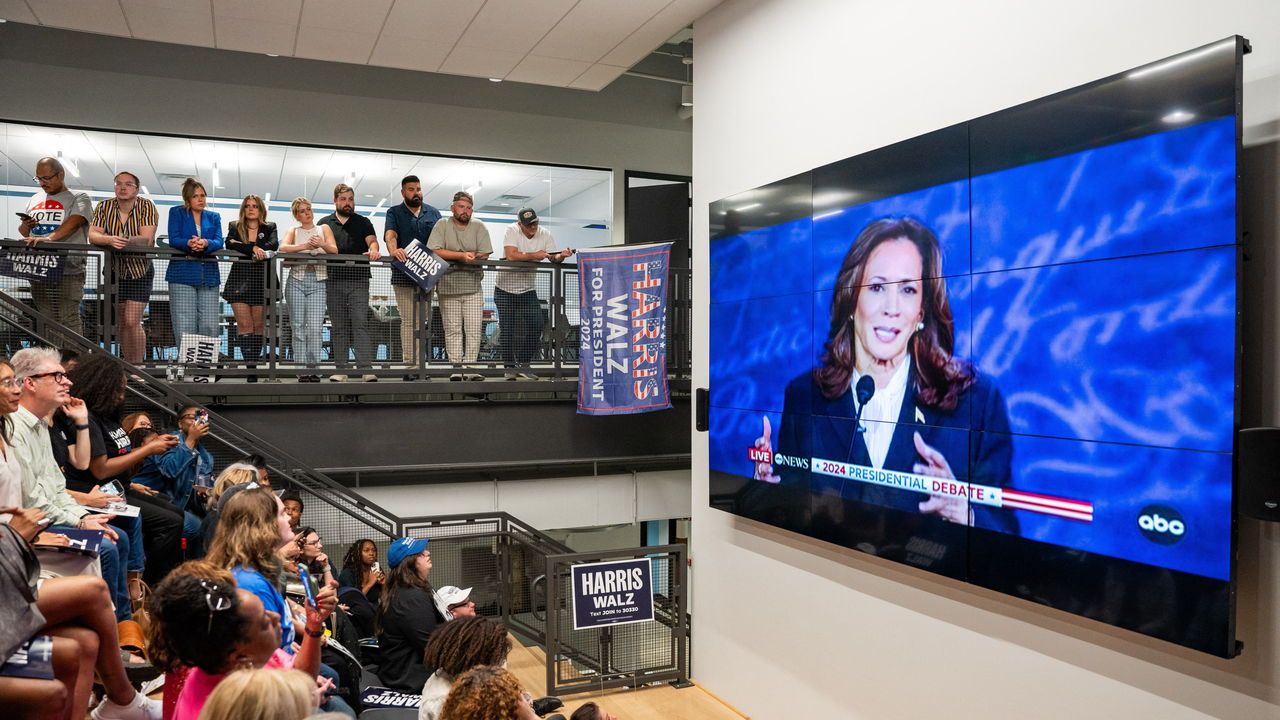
121,222
58,215
45,389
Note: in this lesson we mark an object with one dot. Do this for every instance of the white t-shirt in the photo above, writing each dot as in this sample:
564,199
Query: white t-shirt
433,696
516,281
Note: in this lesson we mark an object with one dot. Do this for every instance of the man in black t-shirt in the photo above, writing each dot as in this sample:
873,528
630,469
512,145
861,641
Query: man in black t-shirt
347,290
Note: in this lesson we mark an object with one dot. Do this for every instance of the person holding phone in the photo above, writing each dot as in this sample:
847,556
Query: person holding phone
58,215
360,569
182,465
101,383
464,241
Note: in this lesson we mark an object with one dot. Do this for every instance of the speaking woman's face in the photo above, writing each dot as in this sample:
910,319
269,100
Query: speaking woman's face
890,303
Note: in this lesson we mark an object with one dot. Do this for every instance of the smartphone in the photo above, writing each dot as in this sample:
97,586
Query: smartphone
112,488
305,577
26,218
202,416
377,567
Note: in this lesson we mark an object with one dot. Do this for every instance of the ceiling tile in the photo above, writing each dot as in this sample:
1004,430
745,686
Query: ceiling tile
430,21
276,11
597,77
366,16
514,25
334,45
480,63
186,22
17,11
650,36
547,71
408,53
100,16
594,27
255,36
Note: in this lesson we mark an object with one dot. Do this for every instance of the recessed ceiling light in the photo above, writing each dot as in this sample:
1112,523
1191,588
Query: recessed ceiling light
368,195
273,54
2,20
1178,116
219,187
495,79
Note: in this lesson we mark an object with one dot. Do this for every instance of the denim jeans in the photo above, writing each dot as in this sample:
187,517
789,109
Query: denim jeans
113,571
306,296
194,309
132,550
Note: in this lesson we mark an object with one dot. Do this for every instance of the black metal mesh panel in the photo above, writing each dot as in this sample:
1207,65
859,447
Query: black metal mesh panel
624,654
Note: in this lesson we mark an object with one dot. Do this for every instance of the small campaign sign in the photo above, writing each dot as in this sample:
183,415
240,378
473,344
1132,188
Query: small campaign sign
199,351
425,267
40,266
380,697
612,593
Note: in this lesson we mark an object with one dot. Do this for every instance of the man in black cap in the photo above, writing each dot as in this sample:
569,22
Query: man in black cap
516,293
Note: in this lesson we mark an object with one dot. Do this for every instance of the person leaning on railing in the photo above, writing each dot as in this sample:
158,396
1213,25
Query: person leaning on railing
252,236
410,220
57,214
305,289
464,241
120,222
347,293
193,281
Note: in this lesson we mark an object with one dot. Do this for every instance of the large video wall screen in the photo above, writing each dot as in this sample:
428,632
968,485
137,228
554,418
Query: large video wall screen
1005,351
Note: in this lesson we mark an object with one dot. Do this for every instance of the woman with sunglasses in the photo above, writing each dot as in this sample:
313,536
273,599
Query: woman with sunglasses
201,620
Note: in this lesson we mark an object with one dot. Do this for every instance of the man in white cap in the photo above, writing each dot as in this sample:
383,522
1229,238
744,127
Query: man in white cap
516,294
454,602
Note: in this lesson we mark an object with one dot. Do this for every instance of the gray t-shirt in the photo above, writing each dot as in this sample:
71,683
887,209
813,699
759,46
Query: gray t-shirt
52,210
445,235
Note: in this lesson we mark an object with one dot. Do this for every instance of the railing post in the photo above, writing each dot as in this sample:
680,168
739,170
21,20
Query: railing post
271,324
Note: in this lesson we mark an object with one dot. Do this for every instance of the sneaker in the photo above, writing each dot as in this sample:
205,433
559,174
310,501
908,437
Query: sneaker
140,708
455,377
369,377
338,378
529,376
473,377
152,685
409,378
510,376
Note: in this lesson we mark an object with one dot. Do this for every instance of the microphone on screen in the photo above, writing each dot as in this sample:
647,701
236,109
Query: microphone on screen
864,390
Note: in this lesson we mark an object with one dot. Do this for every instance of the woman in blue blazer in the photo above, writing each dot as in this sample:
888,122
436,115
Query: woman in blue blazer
931,414
193,280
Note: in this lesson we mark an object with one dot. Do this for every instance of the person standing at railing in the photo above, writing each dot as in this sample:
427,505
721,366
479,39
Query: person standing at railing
57,214
305,289
347,293
193,280
463,241
127,221
410,220
515,293
252,236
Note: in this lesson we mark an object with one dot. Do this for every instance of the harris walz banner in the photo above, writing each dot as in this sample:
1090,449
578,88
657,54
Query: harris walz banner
623,359
425,267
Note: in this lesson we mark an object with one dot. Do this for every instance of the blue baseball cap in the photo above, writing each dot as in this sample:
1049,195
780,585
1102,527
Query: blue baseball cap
404,548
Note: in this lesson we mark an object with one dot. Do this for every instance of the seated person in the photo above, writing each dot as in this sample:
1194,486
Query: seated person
487,692
456,648
407,615
591,711
454,602
201,620
185,465
288,695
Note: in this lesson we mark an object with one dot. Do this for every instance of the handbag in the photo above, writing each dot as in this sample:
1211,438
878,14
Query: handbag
19,578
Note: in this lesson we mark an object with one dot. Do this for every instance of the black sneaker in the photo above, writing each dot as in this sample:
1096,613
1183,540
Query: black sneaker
544,705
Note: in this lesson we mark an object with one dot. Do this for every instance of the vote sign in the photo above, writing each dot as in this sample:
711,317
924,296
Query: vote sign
612,593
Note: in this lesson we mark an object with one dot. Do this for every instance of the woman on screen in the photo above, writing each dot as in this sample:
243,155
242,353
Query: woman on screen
891,329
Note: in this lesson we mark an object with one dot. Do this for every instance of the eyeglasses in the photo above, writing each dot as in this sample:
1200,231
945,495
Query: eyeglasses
57,375
216,603
45,178
10,382
126,183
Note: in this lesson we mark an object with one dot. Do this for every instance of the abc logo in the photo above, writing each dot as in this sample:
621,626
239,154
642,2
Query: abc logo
1162,524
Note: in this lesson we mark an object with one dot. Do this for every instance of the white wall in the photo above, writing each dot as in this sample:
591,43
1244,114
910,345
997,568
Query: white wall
788,627
571,502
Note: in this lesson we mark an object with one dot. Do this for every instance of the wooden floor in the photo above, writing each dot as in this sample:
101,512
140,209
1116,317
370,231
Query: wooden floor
658,701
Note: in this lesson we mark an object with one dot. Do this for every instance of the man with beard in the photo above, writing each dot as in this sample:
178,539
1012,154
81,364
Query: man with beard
410,220
347,290
460,239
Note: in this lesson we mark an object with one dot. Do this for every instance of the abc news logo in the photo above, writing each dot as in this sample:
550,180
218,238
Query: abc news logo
760,455
1162,524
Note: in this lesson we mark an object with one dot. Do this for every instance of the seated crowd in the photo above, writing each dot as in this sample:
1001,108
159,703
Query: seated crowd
313,288
246,610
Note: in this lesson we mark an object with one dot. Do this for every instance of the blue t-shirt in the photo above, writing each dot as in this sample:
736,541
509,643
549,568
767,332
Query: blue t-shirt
409,228
256,583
